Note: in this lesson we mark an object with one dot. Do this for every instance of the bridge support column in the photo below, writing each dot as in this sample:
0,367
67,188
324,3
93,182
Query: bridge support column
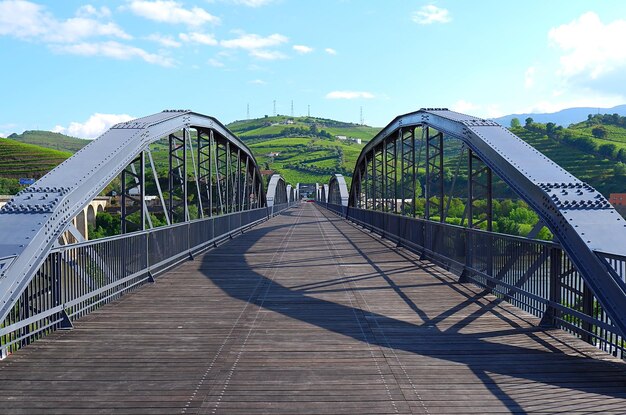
554,295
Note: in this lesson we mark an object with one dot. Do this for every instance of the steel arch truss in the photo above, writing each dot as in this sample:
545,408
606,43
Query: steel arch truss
397,168
213,171
338,190
277,191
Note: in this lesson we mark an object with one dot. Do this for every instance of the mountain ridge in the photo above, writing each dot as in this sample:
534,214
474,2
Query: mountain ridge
564,117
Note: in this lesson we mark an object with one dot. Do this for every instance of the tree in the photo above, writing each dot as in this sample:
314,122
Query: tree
607,150
515,123
600,131
528,122
550,128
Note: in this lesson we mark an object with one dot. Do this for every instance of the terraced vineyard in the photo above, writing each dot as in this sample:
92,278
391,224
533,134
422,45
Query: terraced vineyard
47,139
304,149
595,170
27,160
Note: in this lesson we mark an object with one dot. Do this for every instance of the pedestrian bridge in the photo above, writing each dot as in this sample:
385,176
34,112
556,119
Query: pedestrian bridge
249,301
309,313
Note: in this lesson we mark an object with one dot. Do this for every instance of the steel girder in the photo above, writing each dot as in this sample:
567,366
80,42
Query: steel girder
338,190
35,218
582,220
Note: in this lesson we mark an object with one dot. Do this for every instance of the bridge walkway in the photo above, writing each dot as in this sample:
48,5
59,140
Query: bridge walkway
309,314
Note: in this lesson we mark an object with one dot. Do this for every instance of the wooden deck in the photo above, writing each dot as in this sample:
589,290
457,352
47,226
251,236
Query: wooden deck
306,314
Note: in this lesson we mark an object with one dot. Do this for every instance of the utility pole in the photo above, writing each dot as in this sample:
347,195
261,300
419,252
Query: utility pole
308,112
274,108
292,108
362,122
248,111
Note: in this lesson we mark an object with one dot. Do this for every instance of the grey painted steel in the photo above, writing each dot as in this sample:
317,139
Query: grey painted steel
338,190
578,215
276,191
33,221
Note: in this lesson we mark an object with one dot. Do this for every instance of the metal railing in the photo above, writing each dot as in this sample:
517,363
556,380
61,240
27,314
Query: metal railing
76,279
536,276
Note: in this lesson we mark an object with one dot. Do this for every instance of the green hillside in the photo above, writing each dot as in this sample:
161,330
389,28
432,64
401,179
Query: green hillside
25,160
605,174
304,149
51,140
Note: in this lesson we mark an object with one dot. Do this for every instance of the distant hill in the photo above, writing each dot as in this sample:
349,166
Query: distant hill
304,149
47,139
27,160
564,117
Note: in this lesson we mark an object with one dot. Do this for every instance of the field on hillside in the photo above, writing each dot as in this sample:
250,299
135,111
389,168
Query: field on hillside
308,148
27,160
599,172
51,140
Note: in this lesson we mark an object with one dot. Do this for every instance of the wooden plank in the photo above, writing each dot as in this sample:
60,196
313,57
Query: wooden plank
309,314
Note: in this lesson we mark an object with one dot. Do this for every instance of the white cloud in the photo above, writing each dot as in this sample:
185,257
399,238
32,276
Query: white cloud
96,125
215,63
529,77
590,48
330,51
165,41
253,3
26,20
113,50
477,110
169,11
464,107
88,10
252,41
268,55
349,95
201,38
257,46
258,82
431,14
302,49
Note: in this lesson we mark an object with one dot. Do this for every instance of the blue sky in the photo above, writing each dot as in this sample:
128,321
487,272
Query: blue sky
79,66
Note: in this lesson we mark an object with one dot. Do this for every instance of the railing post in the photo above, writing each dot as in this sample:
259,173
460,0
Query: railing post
588,310
554,288
469,257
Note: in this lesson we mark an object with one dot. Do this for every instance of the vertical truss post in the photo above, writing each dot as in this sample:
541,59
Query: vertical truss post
480,184
239,184
220,175
366,188
246,194
255,199
408,179
229,172
358,189
373,180
395,175
204,172
390,175
134,192
434,175
177,183
380,178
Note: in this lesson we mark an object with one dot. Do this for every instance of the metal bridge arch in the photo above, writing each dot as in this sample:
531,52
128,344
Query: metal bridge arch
226,179
582,220
277,191
338,190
